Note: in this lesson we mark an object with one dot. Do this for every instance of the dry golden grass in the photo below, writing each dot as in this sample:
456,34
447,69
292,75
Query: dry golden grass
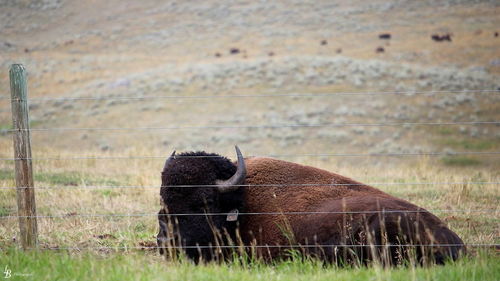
74,196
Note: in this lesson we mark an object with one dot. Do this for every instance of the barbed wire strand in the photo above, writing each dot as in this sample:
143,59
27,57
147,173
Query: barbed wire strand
269,155
256,185
277,126
272,246
401,93
72,215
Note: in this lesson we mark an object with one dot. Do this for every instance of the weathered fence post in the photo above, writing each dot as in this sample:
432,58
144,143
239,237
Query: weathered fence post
26,208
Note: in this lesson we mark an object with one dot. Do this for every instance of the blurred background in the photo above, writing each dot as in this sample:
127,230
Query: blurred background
212,48
355,87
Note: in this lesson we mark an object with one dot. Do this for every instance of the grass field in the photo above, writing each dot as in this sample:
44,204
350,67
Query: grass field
451,192
469,209
139,266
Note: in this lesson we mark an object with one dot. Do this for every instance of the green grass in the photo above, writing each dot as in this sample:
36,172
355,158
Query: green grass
445,131
5,126
460,161
6,174
8,126
108,193
75,178
64,178
5,211
469,143
44,265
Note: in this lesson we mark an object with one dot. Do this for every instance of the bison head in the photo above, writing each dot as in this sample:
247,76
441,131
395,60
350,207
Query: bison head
196,185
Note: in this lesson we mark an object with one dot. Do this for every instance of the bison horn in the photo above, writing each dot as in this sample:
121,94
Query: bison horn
169,160
238,178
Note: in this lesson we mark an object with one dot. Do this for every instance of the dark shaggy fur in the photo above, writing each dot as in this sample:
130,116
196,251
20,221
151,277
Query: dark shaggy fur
202,170
280,187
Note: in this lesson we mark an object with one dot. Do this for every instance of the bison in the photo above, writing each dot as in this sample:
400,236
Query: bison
268,208
385,36
441,38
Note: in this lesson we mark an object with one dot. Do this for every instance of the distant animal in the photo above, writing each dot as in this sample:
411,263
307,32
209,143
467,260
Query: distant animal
234,51
268,207
441,38
385,36
379,50
323,42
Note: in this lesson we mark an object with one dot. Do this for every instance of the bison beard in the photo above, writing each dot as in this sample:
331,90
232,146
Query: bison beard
341,220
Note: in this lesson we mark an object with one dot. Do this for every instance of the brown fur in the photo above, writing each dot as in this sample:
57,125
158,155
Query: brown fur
286,229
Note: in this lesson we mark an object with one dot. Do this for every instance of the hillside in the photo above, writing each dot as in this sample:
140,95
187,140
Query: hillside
208,50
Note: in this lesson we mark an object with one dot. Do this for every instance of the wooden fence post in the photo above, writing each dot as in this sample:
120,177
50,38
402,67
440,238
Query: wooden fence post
26,208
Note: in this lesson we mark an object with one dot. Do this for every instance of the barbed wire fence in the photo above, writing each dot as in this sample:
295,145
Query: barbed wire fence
25,188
